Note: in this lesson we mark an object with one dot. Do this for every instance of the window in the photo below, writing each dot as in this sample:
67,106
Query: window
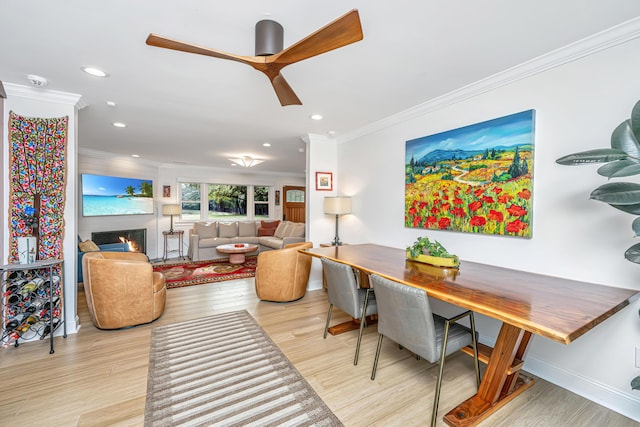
227,201
261,202
215,202
296,196
190,201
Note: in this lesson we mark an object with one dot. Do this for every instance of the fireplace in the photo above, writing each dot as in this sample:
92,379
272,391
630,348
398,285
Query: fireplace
137,239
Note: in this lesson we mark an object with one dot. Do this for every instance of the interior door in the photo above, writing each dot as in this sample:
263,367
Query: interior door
293,205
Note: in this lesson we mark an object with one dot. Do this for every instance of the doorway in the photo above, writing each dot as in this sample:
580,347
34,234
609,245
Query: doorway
293,204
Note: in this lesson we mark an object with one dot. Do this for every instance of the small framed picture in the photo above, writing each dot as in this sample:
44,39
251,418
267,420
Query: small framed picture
277,197
166,191
324,181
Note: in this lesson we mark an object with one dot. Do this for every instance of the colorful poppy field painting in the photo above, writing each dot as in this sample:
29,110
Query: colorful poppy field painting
474,179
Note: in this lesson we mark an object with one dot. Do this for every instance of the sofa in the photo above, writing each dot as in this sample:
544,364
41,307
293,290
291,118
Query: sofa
204,237
87,247
122,289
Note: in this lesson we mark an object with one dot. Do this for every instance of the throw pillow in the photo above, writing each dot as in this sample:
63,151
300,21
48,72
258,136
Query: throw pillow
269,224
88,246
227,229
279,233
246,229
265,231
295,230
206,230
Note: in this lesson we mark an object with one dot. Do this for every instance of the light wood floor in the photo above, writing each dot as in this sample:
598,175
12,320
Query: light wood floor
100,377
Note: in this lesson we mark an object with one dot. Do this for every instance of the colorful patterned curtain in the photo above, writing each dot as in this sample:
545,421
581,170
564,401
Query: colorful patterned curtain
37,163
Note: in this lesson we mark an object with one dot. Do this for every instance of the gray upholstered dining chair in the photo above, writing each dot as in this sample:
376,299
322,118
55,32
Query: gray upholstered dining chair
343,292
405,316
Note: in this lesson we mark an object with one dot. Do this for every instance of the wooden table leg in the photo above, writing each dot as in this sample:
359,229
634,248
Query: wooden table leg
351,325
498,386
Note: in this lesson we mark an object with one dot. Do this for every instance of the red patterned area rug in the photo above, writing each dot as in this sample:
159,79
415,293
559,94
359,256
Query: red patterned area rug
189,273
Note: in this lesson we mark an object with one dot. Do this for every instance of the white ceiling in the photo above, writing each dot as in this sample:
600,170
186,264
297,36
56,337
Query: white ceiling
198,110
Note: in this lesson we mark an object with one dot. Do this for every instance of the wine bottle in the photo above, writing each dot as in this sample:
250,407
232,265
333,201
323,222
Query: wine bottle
24,327
15,322
48,304
32,319
14,275
14,299
11,289
47,328
28,287
36,304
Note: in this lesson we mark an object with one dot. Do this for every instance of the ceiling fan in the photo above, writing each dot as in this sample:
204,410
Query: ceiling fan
270,58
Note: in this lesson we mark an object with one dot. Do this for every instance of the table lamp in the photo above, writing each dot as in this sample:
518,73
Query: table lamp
337,206
171,210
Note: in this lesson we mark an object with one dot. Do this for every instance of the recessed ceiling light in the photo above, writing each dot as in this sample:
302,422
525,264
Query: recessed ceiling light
332,133
119,125
135,155
111,103
316,117
266,144
95,71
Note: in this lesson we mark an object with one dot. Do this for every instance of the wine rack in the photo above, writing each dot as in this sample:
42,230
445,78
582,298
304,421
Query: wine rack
32,302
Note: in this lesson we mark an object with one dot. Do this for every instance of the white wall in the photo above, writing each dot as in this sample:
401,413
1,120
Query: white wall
99,163
321,157
577,106
31,102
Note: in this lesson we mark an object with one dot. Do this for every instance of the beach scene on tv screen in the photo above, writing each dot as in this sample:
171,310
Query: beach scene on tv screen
110,195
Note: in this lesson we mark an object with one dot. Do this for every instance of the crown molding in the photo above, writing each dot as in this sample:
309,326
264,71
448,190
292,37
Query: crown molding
103,155
45,95
595,43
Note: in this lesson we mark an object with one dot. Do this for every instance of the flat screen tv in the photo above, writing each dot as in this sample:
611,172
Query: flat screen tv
111,195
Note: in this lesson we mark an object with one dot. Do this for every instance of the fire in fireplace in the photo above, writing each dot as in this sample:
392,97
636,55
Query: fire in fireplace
137,239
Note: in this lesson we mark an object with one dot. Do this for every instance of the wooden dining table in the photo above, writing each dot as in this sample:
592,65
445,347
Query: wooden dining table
526,303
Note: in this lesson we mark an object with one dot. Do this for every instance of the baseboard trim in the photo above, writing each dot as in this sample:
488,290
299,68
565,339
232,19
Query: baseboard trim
314,285
623,403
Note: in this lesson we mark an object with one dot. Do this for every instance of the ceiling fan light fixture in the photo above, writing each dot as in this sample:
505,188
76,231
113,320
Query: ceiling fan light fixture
270,58
269,37
247,161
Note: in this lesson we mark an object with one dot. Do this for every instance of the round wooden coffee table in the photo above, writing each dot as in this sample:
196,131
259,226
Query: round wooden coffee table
237,251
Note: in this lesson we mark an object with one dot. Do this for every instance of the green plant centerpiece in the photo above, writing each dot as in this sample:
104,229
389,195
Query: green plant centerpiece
621,160
424,250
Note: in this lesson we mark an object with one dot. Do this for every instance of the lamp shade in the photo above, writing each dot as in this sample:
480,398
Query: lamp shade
337,205
170,209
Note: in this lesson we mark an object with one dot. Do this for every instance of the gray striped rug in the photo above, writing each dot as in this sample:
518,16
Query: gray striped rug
224,370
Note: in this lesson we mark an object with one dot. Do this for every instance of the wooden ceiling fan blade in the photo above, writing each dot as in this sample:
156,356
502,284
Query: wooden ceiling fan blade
343,31
166,43
285,94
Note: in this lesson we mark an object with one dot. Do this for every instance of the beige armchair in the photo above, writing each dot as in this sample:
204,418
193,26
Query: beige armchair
282,274
122,289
